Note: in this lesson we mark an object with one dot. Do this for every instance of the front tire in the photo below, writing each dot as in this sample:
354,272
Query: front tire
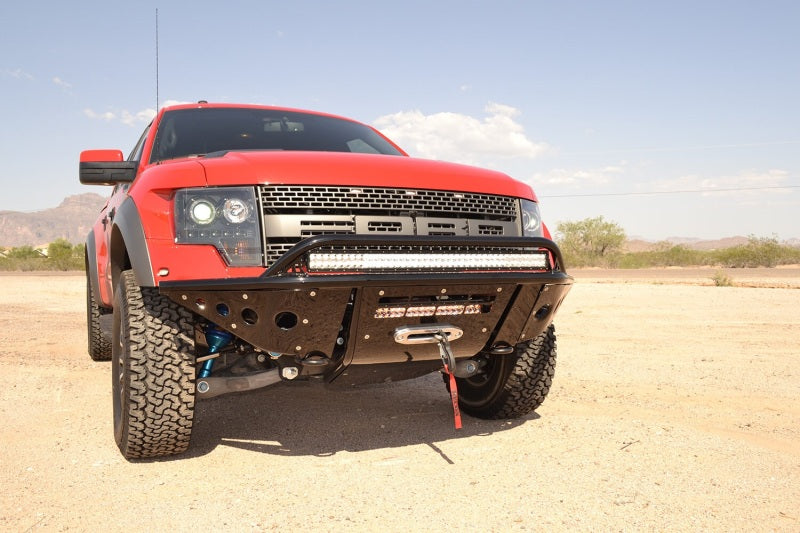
152,372
514,385
99,341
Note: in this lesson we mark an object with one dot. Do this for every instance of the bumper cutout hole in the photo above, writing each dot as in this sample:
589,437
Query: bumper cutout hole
249,316
285,320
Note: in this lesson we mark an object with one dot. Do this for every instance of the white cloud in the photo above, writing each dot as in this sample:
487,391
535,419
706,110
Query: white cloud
746,182
576,178
61,83
18,74
461,138
107,116
129,118
139,117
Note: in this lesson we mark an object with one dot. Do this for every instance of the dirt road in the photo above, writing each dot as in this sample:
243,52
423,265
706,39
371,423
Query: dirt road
675,407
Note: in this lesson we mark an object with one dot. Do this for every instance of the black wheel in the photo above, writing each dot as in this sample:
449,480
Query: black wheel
514,385
99,341
152,372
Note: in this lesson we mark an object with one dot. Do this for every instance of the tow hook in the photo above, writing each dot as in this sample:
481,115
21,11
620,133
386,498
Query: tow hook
441,334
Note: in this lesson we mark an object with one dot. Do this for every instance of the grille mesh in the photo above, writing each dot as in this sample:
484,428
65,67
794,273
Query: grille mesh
289,199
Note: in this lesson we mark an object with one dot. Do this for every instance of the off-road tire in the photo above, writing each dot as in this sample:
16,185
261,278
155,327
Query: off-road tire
99,341
514,385
153,372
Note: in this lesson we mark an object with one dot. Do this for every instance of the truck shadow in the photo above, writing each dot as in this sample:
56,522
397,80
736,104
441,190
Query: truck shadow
311,420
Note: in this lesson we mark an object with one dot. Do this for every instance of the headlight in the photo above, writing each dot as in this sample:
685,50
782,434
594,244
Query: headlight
235,210
531,220
225,217
202,212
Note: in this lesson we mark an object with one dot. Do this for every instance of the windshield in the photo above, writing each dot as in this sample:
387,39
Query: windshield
202,131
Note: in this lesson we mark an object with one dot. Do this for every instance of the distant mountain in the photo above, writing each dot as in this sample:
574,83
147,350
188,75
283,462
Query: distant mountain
638,244
71,220
717,244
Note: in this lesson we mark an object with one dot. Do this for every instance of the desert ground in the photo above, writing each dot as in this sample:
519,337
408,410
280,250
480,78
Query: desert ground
675,406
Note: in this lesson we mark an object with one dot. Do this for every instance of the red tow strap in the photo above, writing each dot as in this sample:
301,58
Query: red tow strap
454,398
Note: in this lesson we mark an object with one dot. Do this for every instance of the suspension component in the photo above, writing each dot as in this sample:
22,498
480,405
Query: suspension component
216,339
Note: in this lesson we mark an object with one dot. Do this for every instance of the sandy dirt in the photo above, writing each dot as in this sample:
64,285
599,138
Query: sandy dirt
676,406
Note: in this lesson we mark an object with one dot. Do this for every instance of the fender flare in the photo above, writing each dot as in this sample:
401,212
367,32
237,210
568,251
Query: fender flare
90,257
128,247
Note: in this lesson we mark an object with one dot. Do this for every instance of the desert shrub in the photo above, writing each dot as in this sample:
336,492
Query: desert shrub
61,255
721,279
758,252
590,242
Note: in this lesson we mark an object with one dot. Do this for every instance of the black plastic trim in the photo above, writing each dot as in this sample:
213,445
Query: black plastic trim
107,173
129,224
91,263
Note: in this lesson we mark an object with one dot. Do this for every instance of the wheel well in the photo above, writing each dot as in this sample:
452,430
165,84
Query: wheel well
119,260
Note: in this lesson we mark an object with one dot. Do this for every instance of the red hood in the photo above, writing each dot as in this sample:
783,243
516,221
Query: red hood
361,170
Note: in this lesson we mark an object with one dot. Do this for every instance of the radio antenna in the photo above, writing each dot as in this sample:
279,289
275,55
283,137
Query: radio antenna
156,61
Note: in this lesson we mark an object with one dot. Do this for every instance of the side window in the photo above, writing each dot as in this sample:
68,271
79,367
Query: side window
136,153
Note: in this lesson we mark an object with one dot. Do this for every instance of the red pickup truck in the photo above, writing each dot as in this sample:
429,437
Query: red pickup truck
244,246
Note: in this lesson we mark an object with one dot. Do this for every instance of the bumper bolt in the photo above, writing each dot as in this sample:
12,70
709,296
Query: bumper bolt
290,372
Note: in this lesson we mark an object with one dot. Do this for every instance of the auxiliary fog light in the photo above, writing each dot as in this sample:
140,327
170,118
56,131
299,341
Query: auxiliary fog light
354,262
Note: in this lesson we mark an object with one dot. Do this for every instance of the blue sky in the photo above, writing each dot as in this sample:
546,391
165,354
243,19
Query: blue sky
636,111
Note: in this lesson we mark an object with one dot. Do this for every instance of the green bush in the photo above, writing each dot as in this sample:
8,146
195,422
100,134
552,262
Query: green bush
721,279
61,255
594,243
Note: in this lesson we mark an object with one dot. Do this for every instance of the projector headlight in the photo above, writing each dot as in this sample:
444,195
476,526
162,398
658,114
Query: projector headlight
225,217
531,219
202,212
235,210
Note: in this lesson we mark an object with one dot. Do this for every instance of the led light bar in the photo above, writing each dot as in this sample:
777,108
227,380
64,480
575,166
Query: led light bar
355,262
428,310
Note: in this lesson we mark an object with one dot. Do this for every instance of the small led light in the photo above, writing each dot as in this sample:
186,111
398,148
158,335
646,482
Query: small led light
390,312
449,310
472,309
202,212
427,310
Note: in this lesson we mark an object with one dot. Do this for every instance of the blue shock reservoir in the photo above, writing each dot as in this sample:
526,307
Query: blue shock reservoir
216,339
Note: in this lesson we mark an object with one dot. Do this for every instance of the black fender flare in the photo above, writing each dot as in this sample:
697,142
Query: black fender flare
128,246
90,257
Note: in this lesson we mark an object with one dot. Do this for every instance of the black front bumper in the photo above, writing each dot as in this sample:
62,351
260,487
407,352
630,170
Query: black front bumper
342,319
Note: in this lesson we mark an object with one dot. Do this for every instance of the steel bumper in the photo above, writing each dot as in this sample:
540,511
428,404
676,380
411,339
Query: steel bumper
351,319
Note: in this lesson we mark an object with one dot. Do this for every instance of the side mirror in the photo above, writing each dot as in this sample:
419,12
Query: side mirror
105,167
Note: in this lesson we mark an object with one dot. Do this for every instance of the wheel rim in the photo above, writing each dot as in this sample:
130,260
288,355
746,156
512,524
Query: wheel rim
482,388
